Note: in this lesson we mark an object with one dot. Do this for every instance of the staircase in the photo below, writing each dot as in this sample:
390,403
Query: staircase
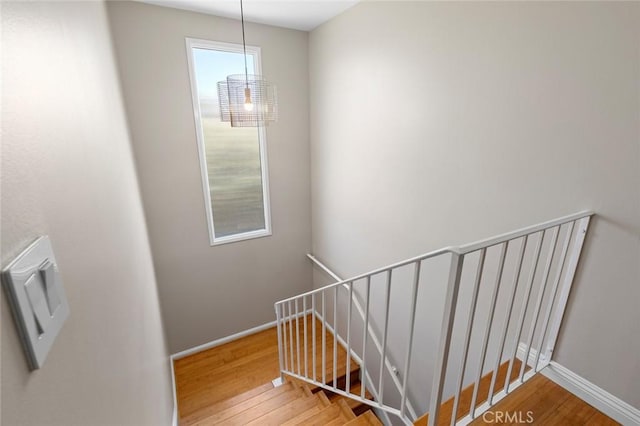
294,402
342,352
502,303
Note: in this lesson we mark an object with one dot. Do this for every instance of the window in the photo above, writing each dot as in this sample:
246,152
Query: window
233,160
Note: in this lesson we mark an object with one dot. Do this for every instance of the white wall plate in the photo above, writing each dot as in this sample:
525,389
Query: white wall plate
38,302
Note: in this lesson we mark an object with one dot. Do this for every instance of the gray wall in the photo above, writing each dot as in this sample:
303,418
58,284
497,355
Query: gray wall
67,171
210,292
435,124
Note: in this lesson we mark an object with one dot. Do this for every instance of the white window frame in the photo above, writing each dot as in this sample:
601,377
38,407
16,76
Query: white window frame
262,140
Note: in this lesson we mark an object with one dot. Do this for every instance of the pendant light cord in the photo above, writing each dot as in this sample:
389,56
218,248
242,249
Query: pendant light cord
244,46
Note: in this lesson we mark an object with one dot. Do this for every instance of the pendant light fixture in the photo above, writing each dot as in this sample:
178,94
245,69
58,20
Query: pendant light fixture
247,100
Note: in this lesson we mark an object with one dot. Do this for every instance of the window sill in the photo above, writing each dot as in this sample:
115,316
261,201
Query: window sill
240,237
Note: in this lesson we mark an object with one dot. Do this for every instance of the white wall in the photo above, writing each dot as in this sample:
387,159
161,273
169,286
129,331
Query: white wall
436,124
68,172
210,292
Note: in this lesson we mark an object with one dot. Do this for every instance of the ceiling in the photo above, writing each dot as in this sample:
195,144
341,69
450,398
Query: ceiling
302,15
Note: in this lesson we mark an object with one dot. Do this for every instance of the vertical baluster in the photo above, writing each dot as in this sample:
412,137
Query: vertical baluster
313,334
448,317
505,328
297,335
467,338
349,310
536,312
412,323
365,334
324,339
384,338
335,336
523,312
293,365
279,329
487,334
304,341
284,337
554,291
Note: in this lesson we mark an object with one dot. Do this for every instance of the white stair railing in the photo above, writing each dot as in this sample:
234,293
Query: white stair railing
523,318
369,335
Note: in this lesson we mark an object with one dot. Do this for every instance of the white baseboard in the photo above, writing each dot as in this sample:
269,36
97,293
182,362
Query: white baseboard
609,404
222,340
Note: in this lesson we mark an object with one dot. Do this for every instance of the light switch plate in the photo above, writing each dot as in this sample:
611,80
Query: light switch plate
38,302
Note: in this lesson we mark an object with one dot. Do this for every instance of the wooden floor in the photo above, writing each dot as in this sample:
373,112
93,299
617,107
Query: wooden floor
547,404
539,402
464,405
248,365
219,373
215,375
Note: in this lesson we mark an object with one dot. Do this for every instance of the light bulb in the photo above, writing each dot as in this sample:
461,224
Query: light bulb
248,105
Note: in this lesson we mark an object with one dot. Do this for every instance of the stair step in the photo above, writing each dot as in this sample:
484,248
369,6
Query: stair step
305,389
223,405
346,411
341,380
259,404
341,367
297,364
301,418
322,418
279,414
295,402
366,418
323,397
356,406
335,414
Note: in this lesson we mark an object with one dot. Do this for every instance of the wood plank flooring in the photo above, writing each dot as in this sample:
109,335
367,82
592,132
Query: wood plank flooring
208,378
214,375
548,404
217,381
466,395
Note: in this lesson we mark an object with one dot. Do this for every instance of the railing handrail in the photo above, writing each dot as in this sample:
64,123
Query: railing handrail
492,241
464,249
373,272
369,330
567,231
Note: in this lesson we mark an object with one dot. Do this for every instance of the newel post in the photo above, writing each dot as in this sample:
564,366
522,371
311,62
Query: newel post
440,368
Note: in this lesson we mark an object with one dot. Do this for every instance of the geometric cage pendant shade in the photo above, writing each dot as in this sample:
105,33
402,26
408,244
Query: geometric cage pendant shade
247,100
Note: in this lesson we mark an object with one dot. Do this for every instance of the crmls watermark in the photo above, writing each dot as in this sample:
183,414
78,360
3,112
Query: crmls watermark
511,417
